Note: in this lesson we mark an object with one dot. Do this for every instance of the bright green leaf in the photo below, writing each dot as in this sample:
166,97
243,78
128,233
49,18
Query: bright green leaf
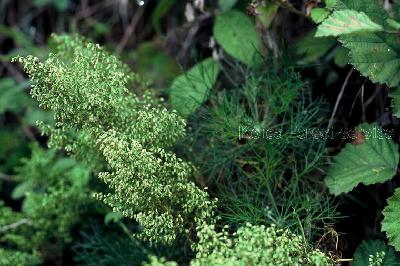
374,161
372,247
191,89
375,55
237,35
390,223
330,3
319,14
345,22
372,8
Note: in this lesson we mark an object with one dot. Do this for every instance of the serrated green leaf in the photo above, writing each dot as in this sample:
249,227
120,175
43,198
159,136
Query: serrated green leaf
374,161
343,22
371,247
372,8
319,14
191,89
237,35
390,223
395,95
374,56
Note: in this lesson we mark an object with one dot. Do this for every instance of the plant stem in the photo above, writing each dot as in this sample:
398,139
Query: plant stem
286,4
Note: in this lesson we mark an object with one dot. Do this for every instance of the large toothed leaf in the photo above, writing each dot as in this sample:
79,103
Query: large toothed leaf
374,56
372,247
390,223
373,161
345,22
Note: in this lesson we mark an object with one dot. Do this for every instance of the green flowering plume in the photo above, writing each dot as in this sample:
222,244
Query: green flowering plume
126,135
251,245
255,245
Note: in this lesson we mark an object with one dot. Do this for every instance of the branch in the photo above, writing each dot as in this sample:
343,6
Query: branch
286,4
130,29
14,225
339,98
7,177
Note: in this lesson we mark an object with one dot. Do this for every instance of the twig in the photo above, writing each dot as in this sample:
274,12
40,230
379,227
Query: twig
130,29
338,99
14,225
27,129
192,33
7,177
286,4
362,104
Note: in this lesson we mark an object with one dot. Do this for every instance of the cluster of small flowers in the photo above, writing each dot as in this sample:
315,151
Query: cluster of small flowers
255,245
127,138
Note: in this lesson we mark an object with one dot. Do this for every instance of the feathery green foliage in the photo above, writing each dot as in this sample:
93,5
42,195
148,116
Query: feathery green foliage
54,196
128,137
12,257
14,246
261,146
100,247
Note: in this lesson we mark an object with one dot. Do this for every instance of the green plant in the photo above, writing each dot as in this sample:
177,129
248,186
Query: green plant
128,137
351,167
230,30
374,252
53,190
99,246
252,245
14,246
260,146
370,34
